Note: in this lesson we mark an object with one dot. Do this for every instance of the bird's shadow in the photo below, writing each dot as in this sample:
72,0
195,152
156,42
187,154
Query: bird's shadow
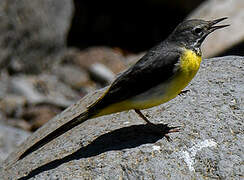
123,138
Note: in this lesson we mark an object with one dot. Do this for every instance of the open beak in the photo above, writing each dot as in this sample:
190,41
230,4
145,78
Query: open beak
212,23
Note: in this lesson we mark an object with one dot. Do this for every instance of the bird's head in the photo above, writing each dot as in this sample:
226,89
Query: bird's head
191,33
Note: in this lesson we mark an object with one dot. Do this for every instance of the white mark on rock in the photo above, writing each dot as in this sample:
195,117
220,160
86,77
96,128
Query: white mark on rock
156,148
189,155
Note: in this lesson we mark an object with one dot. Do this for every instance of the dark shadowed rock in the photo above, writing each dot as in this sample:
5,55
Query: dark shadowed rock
33,32
119,146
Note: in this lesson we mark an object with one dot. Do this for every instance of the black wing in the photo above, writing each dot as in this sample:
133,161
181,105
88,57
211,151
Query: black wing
157,66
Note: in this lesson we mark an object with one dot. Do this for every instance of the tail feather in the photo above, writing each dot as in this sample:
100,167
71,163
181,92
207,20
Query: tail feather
58,132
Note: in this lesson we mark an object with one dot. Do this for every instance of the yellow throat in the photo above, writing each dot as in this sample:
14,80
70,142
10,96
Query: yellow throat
190,62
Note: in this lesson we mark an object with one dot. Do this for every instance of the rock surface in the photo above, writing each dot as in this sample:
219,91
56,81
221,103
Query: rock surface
10,139
230,36
43,88
209,146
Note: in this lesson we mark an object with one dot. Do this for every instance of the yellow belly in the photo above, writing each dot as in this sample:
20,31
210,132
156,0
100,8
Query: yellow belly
189,65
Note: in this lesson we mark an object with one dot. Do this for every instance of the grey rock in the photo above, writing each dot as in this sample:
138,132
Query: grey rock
102,63
19,123
101,73
230,36
43,88
33,32
10,139
4,81
72,75
12,103
119,146
3,118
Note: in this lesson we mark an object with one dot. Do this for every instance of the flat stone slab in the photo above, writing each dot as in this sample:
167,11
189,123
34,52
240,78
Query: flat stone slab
210,144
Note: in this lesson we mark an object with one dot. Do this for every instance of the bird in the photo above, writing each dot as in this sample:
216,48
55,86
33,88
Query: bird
156,78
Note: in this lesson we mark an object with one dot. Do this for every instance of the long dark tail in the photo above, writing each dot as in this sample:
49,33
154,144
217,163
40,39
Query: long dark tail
58,132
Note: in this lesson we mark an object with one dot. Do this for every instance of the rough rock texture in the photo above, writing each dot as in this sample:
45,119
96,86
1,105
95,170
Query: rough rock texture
231,36
33,32
10,139
120,146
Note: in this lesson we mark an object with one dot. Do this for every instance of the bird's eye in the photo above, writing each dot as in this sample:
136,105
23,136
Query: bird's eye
198,30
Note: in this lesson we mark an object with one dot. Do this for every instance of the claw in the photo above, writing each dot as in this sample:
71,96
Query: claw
174,129
164,131
184,92
168,138
171,130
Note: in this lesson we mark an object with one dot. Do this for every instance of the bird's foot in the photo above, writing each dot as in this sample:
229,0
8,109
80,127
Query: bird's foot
159,129
163,129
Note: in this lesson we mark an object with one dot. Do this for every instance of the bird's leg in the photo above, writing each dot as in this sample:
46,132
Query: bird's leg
184,92
142,116
156,129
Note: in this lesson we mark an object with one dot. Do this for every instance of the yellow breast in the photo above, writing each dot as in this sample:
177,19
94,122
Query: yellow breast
190,62
189,65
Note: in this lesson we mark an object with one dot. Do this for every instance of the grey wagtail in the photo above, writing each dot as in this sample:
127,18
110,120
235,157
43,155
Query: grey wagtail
156,78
